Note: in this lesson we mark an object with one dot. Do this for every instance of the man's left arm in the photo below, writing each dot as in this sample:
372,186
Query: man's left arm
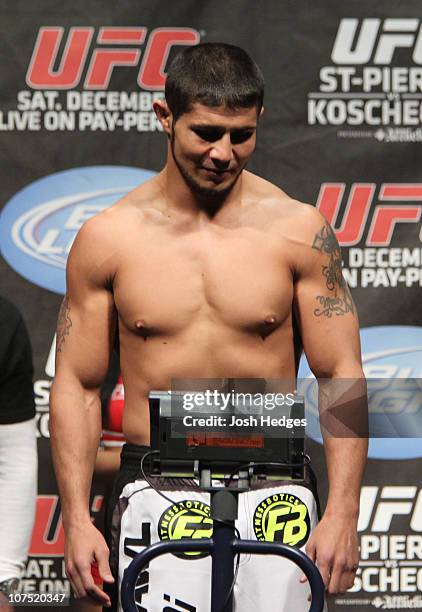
328,323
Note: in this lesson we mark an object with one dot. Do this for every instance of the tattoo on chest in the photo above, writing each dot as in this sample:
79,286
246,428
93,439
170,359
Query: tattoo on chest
340,302
64,324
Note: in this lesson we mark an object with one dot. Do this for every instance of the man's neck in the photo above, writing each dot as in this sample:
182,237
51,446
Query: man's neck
180,196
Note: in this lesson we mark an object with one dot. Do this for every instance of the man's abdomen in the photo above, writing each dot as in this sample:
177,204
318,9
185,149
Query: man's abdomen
158,362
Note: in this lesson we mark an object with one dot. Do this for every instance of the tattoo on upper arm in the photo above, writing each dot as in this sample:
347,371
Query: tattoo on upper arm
341,302
64,324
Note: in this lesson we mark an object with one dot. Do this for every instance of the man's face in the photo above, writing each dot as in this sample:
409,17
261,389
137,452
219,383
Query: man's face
211,146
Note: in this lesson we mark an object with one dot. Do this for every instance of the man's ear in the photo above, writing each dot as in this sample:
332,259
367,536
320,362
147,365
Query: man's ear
261,112
163,114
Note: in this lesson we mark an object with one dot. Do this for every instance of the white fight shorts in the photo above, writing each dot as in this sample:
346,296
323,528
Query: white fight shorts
273,511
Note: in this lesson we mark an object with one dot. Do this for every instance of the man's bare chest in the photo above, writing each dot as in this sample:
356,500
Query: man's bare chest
241,280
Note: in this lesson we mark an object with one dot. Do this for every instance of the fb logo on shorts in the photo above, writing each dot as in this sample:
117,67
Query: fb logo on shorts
187,519
282,517
39,224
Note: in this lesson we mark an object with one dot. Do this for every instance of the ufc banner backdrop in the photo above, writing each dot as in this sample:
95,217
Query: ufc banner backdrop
341,130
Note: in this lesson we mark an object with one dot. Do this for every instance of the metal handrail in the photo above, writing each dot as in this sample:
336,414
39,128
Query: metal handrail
207,545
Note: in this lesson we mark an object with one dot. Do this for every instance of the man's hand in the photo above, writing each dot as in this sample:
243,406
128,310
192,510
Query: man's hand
333,547
85,544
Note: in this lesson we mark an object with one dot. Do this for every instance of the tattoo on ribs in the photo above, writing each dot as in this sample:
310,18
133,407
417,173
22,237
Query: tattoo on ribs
341,302
64,324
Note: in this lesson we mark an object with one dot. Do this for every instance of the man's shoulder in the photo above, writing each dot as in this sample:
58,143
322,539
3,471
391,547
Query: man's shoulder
306,217
96,241
107,225
102,238
132,207
96,233
288,213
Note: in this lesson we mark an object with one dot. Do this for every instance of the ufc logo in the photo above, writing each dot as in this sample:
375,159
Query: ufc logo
393,501
358,207
47,538
49,71
377,39
48,534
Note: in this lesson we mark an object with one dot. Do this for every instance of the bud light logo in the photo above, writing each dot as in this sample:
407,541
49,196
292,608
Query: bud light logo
392,362
39,224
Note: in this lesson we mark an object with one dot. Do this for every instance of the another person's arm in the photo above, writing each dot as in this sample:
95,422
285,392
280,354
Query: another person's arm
112,399
85,334
328,324
18,446
18,488
107,463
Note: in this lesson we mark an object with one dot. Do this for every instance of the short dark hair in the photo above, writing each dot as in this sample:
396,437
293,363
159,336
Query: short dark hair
214,74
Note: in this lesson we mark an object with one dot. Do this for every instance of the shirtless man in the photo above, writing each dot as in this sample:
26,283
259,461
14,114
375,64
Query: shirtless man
205,271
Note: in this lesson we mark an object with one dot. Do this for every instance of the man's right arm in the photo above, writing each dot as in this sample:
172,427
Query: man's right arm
85,333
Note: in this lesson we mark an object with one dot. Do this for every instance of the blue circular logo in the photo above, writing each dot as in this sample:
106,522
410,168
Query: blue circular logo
392,362
39,224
